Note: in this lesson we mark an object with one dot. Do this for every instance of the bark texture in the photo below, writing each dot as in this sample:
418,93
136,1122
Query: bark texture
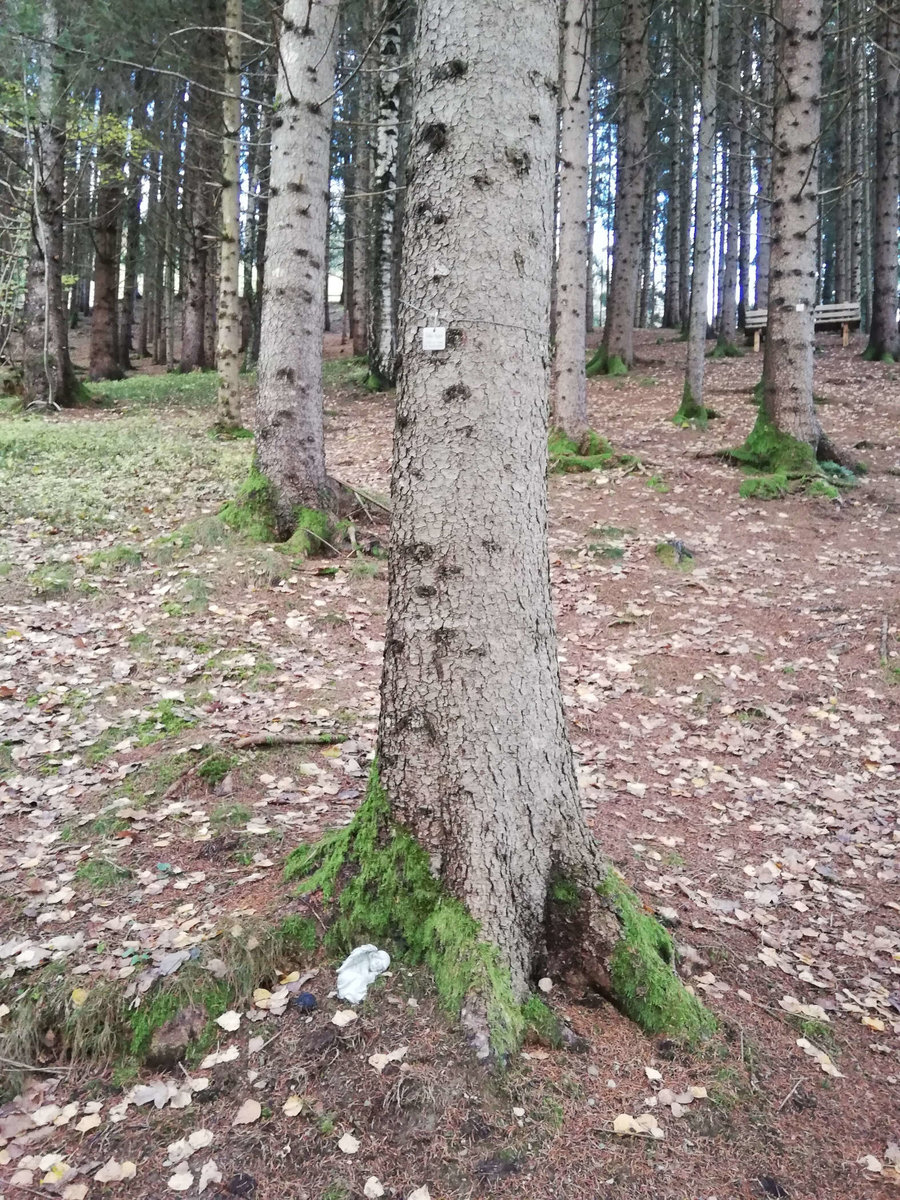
788,365
48,376
764,163
228,331
618,334
569,380
692,404
884,338
473,747
104,349
290,445
385,158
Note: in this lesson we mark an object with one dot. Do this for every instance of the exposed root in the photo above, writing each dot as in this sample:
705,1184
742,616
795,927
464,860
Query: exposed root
591,453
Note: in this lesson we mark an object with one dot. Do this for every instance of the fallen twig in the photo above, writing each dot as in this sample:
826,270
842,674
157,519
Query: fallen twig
788,1096
253,740
175,787
884,638
21,1066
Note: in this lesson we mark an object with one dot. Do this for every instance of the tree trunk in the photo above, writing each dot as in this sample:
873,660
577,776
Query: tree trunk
764,164
385,155
569,381
788,364
197,207
104,350
131,232
692,406
472,845
228,345
618,334
290,446
732,66
884,337
48,375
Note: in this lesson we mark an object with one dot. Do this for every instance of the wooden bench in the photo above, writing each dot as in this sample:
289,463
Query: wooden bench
845,315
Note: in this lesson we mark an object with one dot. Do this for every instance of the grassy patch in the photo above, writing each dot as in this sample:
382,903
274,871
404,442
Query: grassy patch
52,578
345,372
215,767
100,874
592,453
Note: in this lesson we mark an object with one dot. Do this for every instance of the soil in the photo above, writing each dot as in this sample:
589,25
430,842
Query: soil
734,707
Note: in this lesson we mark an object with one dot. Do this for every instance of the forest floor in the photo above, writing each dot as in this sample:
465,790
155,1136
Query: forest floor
736,721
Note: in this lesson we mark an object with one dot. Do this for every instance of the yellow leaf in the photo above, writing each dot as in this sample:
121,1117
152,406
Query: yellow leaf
78,997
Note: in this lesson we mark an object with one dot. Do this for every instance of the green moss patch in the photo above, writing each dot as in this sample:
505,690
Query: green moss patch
642,970
604,363
251,512
690,413
379,882
592,453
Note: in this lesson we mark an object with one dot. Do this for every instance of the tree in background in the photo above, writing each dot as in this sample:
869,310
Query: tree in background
884,337
569,380
228,342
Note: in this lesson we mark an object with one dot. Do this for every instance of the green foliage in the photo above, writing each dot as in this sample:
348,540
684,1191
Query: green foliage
345,372
656,483
674,555
299,932
114,558
642,970
165,721
215,767
314,531
52,578
101,874
382,887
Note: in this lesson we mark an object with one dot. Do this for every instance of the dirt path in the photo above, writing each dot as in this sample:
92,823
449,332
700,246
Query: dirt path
738,738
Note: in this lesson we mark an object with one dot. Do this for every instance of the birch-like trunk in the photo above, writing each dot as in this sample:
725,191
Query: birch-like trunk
384,160
788,365
706,155
569,381
228,332
48,377
290,444
884,338
618,334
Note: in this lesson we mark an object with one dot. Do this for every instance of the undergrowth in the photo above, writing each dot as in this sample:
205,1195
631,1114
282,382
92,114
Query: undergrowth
592,453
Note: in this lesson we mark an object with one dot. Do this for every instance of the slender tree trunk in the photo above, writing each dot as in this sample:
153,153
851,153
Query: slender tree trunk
618,335
788,365
764,163
131,229
197,205
104,350
732,64
228,345
48,376
744,214
692,402
384,179
884,337
290,446
358,207
569,381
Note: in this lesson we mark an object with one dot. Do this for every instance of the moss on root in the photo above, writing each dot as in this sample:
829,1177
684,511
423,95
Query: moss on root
252,514
541,1022
380,882
592,453
604,363
642,970
723,349
690,412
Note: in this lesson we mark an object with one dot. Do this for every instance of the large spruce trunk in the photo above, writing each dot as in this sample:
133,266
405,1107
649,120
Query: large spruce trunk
290,445
48,376
631,150
788,365
884,338
104,348
569,381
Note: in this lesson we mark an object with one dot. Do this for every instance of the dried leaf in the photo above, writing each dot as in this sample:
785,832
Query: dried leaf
344,1016
229,1021
181,1181
820,1056
86,1124
293,1106
209,1173
249,1112
115,1171
380,1061
348,1143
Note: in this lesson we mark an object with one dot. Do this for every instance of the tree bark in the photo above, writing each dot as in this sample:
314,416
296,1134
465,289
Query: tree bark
692,402
104,349
618,334
198,206
382,342
569,380
884,337
228,344
764,163
290,447
788,364
731,64
48,376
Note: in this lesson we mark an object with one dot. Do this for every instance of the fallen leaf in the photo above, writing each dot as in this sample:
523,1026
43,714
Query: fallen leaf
372,1189
91,1121
209,1173
820,1056
653,1075
380,1061
293,1106
249,1112
348,1143
421,1193
181,1181
75,1191
344,1016
255,1045
115,1171
229,1021
871,1163
219,1056
815,1012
